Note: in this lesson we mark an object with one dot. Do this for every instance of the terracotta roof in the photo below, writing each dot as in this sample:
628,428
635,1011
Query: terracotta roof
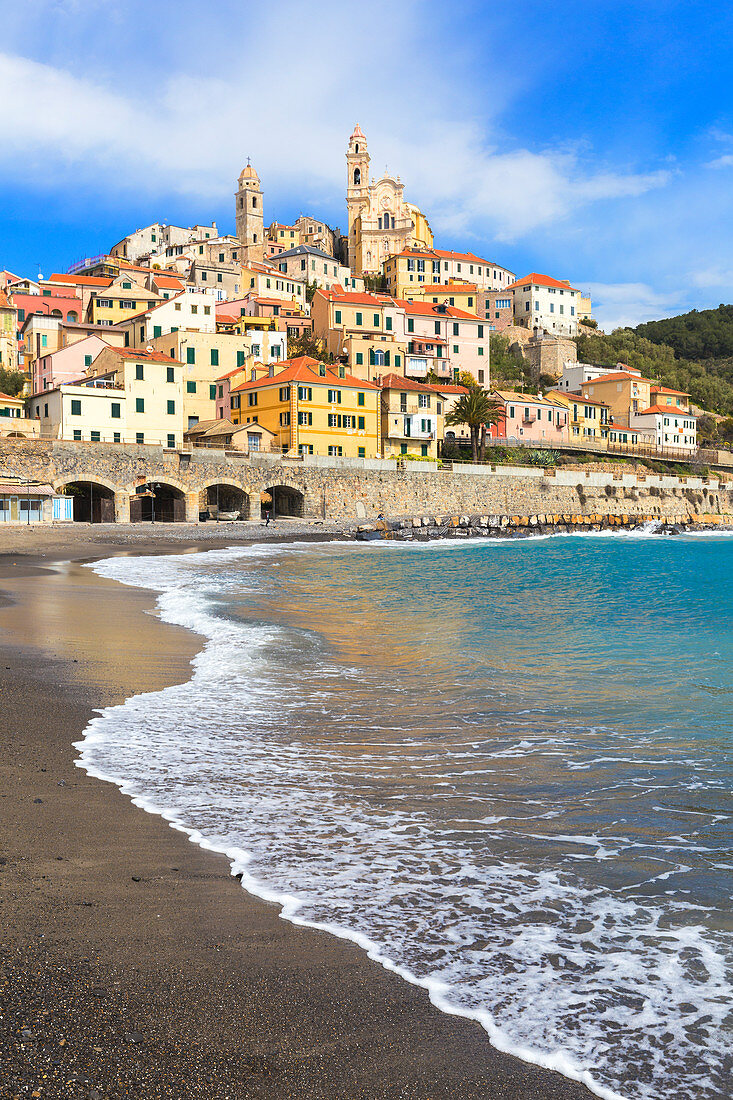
616,376
524,398
450,389
430,309
667,410
468,257
397,382
541,280
82,280
228,318
231,373
143,353
301,370
8,397
4,301
356,298
168,280
568,395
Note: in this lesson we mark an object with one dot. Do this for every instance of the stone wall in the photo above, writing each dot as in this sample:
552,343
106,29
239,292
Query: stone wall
347,489
547,354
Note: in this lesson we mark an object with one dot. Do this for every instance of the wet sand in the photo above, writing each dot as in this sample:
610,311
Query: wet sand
133,965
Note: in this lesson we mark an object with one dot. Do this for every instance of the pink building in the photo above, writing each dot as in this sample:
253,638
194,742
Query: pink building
63,304
528,418
67,364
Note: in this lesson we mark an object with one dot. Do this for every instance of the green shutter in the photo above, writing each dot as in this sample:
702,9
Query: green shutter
190,355
215,357
171,408
212,392
157,331
240,358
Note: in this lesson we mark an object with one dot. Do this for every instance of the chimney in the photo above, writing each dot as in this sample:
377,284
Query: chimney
271,371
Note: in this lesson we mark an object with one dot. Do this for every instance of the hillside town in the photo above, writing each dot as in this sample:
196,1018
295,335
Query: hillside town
300,340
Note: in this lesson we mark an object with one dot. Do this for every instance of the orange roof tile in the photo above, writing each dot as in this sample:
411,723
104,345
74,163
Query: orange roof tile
431,309
143,353
664,389
300,369
397,382
9,397
668,410
82,280
534,278
616,376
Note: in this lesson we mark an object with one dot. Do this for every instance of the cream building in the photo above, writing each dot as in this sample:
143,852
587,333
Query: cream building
193,310
411,267
381,222
316,267
249,217
206,356
542,303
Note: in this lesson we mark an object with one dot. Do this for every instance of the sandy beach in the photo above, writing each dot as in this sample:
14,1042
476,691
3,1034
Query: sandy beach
133,964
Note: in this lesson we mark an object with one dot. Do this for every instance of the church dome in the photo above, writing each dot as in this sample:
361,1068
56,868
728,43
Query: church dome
248,173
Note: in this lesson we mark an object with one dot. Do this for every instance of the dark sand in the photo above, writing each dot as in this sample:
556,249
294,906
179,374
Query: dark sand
133,965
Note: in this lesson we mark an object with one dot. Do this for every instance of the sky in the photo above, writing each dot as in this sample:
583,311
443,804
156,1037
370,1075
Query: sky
590,141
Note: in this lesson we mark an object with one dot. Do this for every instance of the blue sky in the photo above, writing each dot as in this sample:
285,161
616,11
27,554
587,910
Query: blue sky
592,141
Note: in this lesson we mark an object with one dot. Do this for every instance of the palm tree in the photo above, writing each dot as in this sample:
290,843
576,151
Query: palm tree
476,409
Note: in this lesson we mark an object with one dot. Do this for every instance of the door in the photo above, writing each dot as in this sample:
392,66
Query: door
30,510
4,510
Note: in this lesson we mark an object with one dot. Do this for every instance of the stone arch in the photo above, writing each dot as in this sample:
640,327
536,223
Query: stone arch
221,497
158,500
96,499
287,500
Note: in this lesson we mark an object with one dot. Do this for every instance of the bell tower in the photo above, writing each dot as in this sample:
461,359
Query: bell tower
357,185
249,215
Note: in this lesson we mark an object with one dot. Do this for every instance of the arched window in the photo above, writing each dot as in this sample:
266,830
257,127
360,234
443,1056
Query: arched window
241,203
393,223
357,177
254,238
56,313
378,358
356,147
379,220
72,316
254,201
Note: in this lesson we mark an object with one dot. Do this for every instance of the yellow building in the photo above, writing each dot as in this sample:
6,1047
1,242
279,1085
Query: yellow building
286,235
115,303
8,336
312,409
13,421
587,419
462,295
267,282
625,394
367,329
412,418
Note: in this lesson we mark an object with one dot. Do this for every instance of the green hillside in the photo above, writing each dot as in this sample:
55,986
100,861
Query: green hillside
707,334
708,381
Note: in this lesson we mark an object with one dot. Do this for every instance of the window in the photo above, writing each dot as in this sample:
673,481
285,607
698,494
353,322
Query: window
480,351
240,358
305,419
360,399
95,437
44,341
305,393
337,316
423,400
480,378
284,393
511,411
376,320
194,309
212,392
21,315
140,404
285,420
410,324
139,437
177,306
362,452
455,349
359,318
424,450
215,357
171,408
359,358
251,399
139,373
455,329
305,448
334,397
115,410
77,435
87,360
171,442
75,408
116,437
170,375
190,387
335,452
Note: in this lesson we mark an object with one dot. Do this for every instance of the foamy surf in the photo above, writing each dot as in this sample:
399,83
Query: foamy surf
341,826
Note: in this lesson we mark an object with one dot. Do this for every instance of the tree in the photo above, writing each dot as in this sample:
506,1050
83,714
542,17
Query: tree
11,382
476,409
309,344
310,290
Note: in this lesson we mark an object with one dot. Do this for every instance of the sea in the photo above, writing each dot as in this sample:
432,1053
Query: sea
504,768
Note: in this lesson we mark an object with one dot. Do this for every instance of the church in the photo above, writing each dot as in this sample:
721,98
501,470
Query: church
381,223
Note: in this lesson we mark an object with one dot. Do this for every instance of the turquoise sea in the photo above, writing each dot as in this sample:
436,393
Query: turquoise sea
502,767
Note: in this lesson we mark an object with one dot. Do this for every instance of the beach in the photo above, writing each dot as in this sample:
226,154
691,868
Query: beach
133,963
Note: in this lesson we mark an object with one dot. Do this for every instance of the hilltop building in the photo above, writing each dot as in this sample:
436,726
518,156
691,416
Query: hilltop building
381,223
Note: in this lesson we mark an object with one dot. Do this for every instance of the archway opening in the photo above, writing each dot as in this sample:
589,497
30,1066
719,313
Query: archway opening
157,502
284,501
223,502
93,503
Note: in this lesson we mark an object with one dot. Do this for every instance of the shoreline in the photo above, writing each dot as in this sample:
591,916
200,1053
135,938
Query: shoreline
158,972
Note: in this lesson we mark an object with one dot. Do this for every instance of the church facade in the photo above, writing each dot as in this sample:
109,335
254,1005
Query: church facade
381,223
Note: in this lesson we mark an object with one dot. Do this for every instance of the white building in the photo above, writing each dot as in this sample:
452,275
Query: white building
575,374
672,428
542,303
155,239
192,310
315,266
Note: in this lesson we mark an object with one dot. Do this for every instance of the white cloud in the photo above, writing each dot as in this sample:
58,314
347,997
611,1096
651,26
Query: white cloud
621,305
726,161
189,135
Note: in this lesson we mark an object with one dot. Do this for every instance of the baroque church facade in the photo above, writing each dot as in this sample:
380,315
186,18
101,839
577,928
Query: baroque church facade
381,223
